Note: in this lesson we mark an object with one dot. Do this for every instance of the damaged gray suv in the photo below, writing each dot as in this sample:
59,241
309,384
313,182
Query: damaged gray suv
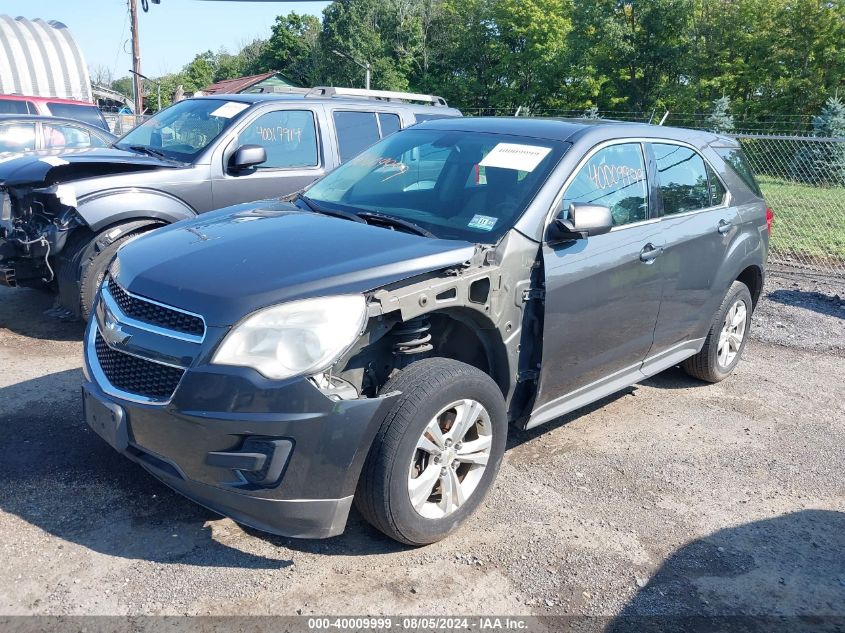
63,216
370,340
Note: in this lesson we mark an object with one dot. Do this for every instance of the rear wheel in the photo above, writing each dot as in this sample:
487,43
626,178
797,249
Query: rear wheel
437,452
726,338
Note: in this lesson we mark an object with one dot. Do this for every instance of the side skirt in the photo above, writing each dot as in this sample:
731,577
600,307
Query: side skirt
614,382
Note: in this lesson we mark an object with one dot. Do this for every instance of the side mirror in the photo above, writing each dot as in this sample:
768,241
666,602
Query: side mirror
247,157
584,221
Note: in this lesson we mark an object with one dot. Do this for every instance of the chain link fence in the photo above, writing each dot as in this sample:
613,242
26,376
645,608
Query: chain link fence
803,180
120,124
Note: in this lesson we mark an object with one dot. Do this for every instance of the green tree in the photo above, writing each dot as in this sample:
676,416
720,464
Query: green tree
293,47
199,73
721,120
823,163
369,32
630,55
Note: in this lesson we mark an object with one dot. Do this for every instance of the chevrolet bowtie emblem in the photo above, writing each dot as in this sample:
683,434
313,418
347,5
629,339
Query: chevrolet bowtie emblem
112,332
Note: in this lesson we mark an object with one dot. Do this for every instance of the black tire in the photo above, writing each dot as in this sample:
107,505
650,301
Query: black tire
93,266
705,365
427,387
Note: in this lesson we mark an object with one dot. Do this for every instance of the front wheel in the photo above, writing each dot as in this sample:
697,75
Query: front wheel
436,453
93,266
726,338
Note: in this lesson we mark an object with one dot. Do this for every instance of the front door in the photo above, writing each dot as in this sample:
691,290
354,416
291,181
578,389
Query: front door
294,160
603,292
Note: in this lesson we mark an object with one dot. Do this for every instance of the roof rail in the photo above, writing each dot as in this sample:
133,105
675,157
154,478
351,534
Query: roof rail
387,95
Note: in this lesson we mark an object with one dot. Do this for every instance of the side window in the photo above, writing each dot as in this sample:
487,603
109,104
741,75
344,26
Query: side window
389,123
737,161
683,179
69,136
288,136
13,106
17,137
614,177
717,189
356,131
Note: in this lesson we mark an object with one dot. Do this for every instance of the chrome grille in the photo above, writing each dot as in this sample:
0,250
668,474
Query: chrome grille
135,375
154,313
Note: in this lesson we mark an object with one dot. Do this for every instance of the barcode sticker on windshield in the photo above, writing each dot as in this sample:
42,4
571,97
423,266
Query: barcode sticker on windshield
229,109
482,222
515,156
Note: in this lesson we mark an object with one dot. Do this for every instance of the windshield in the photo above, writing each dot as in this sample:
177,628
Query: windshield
458,185
184,129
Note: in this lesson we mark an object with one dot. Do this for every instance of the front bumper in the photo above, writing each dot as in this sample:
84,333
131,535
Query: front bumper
229,411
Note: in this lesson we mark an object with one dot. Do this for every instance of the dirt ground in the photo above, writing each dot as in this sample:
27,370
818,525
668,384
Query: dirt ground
672,497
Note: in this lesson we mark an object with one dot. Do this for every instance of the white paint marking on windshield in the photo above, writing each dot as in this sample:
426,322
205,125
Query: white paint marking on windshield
515,156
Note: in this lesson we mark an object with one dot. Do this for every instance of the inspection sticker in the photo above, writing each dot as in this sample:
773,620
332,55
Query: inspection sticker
229,109
515,156
483,222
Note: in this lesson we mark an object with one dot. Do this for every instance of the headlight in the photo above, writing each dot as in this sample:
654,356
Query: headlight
301,337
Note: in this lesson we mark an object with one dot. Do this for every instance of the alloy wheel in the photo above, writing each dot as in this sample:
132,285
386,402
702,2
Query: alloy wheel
733,331
450,458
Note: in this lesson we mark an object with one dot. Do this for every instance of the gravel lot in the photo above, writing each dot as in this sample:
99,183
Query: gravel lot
670,498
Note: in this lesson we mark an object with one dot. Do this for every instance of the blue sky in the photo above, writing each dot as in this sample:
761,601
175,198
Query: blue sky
171,33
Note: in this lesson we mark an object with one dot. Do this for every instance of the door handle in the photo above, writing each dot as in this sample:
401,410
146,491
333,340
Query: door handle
724,226
650,252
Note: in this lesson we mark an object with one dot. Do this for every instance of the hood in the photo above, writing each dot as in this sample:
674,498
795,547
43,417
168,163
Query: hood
229,263
43,169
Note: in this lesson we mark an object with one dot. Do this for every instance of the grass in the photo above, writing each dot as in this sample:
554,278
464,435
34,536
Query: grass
809,220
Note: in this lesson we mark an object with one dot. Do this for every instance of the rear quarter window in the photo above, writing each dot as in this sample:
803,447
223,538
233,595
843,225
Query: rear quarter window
738,163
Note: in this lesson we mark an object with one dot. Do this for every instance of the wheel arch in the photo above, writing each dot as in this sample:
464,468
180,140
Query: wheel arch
752,277
106,209
469,336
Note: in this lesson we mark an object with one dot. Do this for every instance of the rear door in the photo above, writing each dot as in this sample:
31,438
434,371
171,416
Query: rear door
357,129
602,294
295,157
699,225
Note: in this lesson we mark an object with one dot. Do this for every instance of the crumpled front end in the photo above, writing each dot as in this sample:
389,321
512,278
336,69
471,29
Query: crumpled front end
35,224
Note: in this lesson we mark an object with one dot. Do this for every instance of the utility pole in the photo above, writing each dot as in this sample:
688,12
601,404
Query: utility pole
365,65
137,83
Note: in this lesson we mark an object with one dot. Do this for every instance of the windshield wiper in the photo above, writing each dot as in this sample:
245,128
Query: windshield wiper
148,150
395,222
346,215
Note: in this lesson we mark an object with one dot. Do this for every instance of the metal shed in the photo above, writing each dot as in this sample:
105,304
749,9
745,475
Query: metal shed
40,58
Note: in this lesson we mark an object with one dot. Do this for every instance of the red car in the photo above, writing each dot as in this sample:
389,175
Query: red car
49,106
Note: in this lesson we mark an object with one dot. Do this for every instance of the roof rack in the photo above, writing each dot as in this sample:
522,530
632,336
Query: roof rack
387,95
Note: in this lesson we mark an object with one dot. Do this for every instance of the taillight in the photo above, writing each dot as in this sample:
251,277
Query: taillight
770,217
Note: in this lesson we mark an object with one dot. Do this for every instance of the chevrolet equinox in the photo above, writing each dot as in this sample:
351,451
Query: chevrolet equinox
370,339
